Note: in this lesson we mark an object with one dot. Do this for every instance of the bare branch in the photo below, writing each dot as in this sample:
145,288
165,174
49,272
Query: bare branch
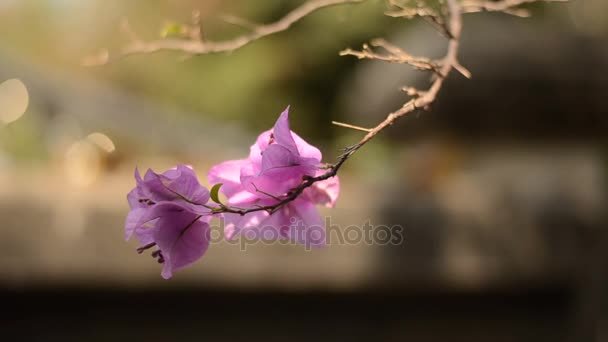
420,99
422,10
428,97
505,6
419,9
395,55
413,92
199,47
424,99
240,22
447,19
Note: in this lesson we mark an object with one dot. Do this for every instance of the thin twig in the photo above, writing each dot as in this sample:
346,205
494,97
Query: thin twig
505,6
240,22
199,47
358,128
394,55
448,19
454,26
428,97
420,100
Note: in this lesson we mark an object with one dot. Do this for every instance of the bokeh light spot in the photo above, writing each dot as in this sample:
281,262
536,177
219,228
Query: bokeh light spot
82,163
14,99
102,141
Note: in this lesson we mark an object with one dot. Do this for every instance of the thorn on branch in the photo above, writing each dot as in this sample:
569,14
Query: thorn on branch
462,70
348,151
266,193
358,128
411,91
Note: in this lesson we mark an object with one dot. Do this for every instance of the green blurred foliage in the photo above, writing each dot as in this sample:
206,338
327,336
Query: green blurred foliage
21,139
300,67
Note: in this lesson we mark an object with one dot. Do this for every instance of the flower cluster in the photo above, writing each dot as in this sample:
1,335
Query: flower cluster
171,211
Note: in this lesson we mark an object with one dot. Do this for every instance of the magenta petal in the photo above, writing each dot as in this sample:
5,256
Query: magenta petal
183,181
306,150
231,225
256,225
229,174
284,136
185,248
278,157
282,133
134,195
180,235
281,171
325,192
133,198
143,222
256,150
272,184
137,176
133,219
145,233
306,225
179,184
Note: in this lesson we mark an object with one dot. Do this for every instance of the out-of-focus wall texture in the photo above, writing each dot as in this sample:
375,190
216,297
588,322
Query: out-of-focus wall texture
500,188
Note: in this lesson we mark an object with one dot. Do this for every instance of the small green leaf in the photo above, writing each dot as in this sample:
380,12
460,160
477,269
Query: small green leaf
214,193
172,30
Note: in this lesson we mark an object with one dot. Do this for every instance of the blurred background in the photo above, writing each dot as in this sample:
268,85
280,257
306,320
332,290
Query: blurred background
500,188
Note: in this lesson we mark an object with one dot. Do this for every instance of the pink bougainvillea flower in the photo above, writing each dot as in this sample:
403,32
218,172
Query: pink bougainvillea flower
180,236
277,163
169,213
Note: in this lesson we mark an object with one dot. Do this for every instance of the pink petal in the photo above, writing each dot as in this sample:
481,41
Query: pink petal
178,185
183,181
229,174
273,183
306,150
133,218
278,157
306,225
282,133
133,198
187,248
256,150
281,171
325,192
180,235
256,225
137,176
140,222
145,233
